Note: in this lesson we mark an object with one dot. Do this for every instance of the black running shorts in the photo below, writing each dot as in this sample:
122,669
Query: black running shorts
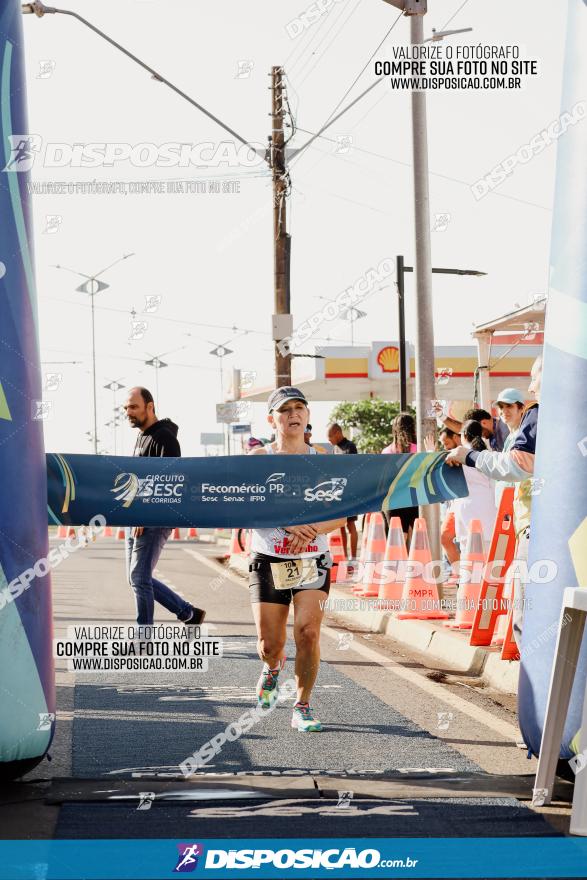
261,586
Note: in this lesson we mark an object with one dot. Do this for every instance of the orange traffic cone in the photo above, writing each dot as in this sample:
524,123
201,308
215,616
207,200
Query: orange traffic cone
237,546
396,556
362,555
120,534
510,650
175,535
420,600
501,553
349,570
471,578
108,532
62,531
336,549
375,554
193,532
504,623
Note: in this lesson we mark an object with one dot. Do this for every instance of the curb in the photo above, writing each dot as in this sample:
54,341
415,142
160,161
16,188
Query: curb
441,645
444,646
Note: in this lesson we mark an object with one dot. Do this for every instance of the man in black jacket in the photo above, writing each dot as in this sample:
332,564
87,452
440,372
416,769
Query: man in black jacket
157,438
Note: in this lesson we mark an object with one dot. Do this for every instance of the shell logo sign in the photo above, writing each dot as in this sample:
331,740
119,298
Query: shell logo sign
388,359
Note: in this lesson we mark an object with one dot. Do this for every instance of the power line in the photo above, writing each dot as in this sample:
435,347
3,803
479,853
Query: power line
444,26
306,56
409,165
304,44
309,67
356,79
158,317
336,118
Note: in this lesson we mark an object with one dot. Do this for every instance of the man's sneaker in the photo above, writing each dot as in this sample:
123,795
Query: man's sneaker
268,686
303,719
196,618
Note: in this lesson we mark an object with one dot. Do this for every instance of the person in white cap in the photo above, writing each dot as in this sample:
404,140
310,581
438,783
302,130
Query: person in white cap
276,555
510,403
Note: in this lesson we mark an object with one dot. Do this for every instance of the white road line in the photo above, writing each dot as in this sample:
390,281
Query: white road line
476,713
504,728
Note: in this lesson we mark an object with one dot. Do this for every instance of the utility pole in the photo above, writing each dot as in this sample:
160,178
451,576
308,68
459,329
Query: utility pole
282,319
403,382
425,423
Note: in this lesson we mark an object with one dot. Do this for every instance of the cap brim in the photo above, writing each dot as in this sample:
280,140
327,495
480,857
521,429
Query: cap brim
287,400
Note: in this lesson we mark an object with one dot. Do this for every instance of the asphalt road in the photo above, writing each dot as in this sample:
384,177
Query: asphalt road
390,732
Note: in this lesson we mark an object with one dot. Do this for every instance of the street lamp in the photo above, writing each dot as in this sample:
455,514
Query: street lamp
92,286
221,351
351,314
159,364
416,10
114,385
400,270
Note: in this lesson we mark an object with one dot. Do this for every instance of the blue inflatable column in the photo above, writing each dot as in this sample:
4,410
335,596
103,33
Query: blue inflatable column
27,688
559,513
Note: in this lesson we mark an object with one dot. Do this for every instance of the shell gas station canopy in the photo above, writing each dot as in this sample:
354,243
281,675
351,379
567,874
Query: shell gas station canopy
502,356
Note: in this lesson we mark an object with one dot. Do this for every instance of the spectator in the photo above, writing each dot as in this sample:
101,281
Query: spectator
516,465
494,430
157,438
345,447
252,443
403,439
510,403
308,438
449,439
480,502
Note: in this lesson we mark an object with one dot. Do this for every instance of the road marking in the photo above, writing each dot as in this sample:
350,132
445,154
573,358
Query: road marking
476,713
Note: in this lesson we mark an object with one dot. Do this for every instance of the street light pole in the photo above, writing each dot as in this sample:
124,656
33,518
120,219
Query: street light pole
401,269
423,263
114,385
93,291
92,286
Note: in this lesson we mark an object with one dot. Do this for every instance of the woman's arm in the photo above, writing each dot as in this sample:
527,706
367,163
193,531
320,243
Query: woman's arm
302,535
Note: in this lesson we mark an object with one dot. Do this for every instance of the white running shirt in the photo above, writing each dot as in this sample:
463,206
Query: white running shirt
274,542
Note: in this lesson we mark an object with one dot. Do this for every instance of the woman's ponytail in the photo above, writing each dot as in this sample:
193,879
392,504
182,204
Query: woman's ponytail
473,434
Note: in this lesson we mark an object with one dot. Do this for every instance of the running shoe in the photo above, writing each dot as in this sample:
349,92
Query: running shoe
303,719
268,685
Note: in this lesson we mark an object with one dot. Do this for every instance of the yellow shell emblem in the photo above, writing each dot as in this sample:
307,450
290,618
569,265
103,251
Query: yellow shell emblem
388,359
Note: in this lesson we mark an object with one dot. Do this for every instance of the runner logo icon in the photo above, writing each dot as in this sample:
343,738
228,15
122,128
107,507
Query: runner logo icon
187,860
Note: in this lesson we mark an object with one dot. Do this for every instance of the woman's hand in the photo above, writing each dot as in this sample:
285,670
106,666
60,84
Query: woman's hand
456,457
300,537
430,442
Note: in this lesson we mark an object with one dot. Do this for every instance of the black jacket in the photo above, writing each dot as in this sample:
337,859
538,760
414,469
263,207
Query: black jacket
160,440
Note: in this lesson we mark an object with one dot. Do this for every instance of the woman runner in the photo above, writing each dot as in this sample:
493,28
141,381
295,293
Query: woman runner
272,551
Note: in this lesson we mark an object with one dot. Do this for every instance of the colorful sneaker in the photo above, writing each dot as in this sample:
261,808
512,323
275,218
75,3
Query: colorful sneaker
303,719
268,686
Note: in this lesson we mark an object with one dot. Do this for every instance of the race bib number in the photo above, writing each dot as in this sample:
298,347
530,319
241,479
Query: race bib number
292,573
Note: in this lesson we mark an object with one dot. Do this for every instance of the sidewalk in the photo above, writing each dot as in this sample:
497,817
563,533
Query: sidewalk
438,643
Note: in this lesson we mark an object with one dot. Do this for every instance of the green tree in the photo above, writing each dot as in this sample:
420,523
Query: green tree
372,418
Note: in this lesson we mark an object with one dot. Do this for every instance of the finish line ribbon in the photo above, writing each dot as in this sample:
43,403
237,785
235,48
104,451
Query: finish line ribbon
258,491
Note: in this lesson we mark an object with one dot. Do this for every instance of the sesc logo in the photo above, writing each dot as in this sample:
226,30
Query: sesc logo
152,489
329,490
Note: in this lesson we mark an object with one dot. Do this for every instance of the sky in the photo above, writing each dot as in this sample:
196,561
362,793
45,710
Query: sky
201,273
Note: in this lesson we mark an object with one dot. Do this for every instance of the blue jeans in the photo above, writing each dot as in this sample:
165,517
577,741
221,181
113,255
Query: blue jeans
142,554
